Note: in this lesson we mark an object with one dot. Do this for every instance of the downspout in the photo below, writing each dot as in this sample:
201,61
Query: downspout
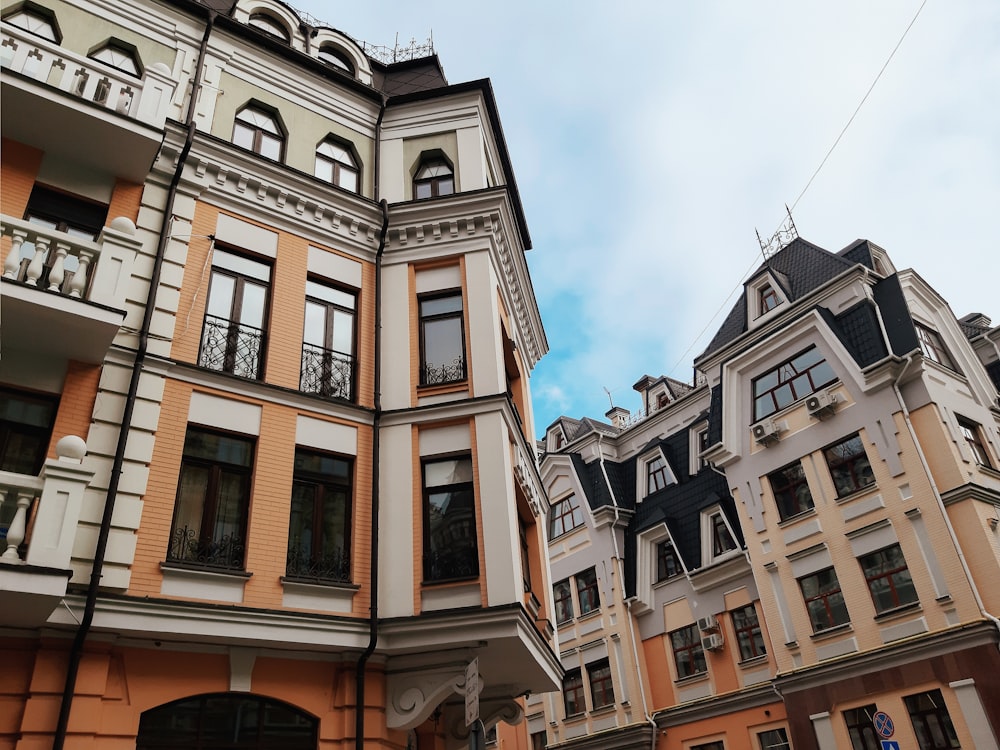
100,551
937,495
628,604
359,692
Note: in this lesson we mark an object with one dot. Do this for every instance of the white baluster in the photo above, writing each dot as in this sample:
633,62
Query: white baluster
18,527
37,264
79,283
58,271
12,264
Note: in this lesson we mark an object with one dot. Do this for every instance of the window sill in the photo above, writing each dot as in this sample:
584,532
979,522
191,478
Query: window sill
891,614
836,630
318,583
199,582
206,570
668,579
602,710
691,679
441,388
447,581
857,493
589,615
792,520
753,661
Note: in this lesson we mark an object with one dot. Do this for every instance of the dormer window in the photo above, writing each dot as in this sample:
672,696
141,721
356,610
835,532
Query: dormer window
564,516
722,537
336,165
656,475
120,56
336,59
269,25
35,20
434,178
717,538
258,131
653,473
932,347
769,299
801,376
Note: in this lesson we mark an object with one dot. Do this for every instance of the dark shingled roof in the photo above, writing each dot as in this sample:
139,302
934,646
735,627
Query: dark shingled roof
858,330
422,74
993,370
895,315
859,251
801,265
974,324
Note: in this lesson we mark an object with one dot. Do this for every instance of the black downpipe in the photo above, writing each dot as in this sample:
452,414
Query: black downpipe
359,682
76,651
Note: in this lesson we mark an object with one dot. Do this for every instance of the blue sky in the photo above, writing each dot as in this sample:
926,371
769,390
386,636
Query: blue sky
651,139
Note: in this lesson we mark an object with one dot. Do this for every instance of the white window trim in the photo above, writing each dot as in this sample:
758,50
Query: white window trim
706,536
646,544
755,315
642,468
694,445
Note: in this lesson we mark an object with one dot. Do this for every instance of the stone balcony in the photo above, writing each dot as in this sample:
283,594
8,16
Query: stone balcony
64,296
41,515
81,109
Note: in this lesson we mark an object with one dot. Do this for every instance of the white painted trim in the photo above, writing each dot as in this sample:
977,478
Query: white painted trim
327,436
224,413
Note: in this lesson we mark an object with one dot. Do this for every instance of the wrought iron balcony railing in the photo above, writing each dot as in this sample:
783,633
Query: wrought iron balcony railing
188,546
448,372
327,372
230,346
333,566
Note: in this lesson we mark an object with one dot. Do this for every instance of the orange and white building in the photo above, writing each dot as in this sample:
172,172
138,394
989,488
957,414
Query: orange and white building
267,470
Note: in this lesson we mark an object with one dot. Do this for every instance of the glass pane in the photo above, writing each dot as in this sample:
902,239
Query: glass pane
440,305
243,135
446,186
334,521
315,325
348,179
441,473
324,169
443,345
422,190
234,493
301,521
252,309
270,146
220,298
343,332
190,503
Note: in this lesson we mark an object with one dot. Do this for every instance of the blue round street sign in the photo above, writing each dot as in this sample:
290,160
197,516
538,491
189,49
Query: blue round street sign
883,724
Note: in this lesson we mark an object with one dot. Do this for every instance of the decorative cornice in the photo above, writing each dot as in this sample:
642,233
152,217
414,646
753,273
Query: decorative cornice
716,705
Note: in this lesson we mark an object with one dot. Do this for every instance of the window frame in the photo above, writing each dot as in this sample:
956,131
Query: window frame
323,565
687,640
211,497
767,299
942,720
786,491
268,24
714,522
657,474
338,167
587,594
561,510
258,135
334,379
39,13
749,635
562,594
111,47
456,371
972,433
437,184
336,59
933,347
573,692
601,683
860,727
855,464
781,742
787,374
665,553
895,578
40,436
472,539
824,597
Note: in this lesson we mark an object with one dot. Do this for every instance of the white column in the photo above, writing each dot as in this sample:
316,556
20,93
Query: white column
975,715
823,727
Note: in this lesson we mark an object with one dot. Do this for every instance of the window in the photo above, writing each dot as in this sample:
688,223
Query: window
824,600
328,342
702,443
336,165
233,338
573,699
802,375
442,339
931,721
319,529
748,633
602,691
586,590
490,736
657,476
773,739
258,131
563,597
538,740
849,466
974,439
26,422
522,532
119,56
336,59
213,496
269,25
76,216
722,537
451,549
689,656
35,20
791,491
768,298
434,177
226,722
860,727
888,579
717,745
932,347
566,516
667,563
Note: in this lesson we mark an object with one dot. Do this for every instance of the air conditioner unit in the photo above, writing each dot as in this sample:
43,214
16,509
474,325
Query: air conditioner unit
766,431
712,642
708,624
821,404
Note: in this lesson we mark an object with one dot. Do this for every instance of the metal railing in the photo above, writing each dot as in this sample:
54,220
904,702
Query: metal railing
188,546
334,566
230,346
326,372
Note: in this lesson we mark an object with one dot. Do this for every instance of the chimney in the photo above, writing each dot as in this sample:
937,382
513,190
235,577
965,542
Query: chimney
618,416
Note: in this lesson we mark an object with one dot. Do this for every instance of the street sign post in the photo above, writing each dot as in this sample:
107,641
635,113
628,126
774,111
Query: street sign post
890,745
472,692
883,725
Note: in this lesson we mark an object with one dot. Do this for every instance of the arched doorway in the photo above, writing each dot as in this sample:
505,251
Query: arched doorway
226,721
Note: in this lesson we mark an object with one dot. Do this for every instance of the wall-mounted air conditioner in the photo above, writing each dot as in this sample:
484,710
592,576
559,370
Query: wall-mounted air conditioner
712,642
708,624
767,431
822,404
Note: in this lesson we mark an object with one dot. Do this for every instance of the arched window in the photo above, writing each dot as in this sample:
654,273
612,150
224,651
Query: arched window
258,130
336,165
35,20
120,56
226,722
270,26
434,177
335,58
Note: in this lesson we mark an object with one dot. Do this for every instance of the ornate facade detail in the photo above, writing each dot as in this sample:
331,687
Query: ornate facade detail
413,696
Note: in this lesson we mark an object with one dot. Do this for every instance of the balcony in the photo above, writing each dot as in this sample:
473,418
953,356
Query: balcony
231,346
37,541
72,289
326,372
81,109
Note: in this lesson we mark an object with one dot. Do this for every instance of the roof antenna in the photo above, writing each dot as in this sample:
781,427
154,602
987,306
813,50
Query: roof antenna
609,397
783,235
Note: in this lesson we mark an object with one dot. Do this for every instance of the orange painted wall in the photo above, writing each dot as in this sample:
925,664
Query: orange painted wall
125,200
738,729
19,166
76,405
661,688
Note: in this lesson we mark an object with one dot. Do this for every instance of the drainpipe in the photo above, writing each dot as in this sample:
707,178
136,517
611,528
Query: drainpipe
937,495
628,604
359,697
76,650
